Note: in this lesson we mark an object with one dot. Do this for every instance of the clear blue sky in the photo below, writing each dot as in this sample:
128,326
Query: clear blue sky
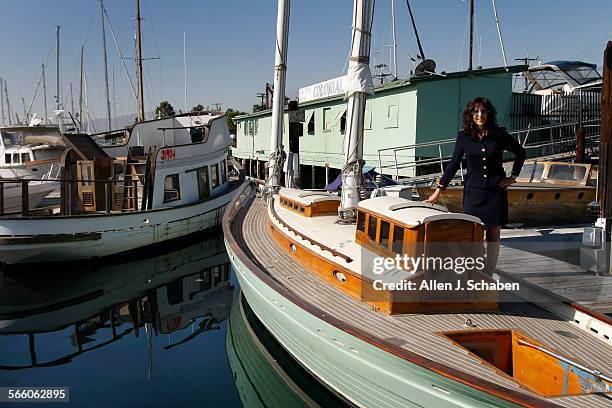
230,44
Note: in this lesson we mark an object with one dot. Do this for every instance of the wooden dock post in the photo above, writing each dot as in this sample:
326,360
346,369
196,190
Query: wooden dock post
605,150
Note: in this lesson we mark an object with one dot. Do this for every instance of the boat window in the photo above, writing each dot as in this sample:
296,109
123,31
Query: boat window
16,158
343,123
385,228
361,220
311,124
223,172
398,240
301,209
205,282
532,171
203,186
197,134
214,175
372,227
172,190
566,172
25,157
7,159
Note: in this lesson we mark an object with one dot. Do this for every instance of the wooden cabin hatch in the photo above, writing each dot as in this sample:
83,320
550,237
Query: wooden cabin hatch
542,369
309,204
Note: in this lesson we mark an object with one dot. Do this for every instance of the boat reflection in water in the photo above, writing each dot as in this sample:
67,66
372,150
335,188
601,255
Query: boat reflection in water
264,374
52,319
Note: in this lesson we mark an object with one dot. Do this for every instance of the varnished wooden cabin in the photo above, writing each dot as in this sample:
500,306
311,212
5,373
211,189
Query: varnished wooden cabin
386,227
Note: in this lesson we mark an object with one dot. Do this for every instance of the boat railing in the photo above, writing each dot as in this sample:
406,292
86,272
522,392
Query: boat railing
67,186
423,162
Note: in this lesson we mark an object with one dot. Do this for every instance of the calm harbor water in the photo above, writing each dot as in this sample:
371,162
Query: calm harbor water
171,330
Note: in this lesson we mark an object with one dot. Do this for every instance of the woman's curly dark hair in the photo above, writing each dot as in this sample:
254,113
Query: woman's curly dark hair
468,122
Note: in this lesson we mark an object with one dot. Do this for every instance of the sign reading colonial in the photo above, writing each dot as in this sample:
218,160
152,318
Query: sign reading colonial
331,87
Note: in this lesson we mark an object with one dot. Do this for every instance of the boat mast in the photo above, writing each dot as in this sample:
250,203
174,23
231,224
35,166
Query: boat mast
394,39
2,100
57,69
360,83
45,94
108,109
416,33
141,111
185,65
501,41
471,33
277,156
81,90
8,102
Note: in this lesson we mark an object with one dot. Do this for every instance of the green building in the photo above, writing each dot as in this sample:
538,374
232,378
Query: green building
400,113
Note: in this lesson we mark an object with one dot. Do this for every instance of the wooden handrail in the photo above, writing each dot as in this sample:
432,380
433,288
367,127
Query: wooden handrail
305,237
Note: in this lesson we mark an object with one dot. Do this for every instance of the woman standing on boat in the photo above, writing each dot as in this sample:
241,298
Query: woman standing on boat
485,193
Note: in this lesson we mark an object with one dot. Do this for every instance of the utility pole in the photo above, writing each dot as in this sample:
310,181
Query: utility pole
471,33
45,94
57,73
141,110
108,109
605,152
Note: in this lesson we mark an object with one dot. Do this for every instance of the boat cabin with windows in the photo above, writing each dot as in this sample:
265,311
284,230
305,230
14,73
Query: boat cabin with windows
309,203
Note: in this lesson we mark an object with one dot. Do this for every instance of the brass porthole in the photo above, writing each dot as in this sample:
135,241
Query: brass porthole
529,196
580,196
557,196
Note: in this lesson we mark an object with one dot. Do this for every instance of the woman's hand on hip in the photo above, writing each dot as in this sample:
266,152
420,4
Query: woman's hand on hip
505,183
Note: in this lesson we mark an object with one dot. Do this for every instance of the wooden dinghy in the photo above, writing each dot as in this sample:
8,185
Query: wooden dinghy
299,275
545,193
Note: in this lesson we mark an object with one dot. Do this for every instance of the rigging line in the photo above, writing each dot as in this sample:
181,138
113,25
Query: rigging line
34,96
467,23
120,54
146,3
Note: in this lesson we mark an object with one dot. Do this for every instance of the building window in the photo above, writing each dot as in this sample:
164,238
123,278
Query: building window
372,227
214,175
327,119
172,191
203,185
223,172
343,123
391,120
311,124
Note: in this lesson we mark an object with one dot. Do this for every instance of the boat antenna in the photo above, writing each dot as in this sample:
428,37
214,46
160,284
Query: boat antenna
108,108
141,110
471,34
416,33
277,155
501,41
360,84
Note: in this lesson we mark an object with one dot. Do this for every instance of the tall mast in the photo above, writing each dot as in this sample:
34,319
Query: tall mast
471,33
45,94
57,69
501,40
360,83
185,65
81,90
2,100
141,110
278,101
416,33
394,39
8,103
108,109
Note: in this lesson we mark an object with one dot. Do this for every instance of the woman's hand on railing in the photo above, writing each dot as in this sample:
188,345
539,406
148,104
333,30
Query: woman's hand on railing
434,197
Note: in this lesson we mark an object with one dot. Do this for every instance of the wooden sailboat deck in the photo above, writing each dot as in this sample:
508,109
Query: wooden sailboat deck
419,333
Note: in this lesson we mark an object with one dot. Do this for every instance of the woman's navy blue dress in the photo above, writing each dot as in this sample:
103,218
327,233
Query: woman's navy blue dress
482,196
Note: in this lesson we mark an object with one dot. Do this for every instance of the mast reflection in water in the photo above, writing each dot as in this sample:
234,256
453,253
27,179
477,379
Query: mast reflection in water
148,332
